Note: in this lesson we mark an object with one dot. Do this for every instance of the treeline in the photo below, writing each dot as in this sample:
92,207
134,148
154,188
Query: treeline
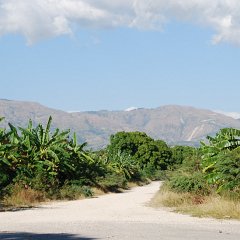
214,167
51,164
39,164
207,182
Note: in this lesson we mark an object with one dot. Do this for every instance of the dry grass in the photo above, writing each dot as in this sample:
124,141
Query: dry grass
170,199
98,192
199,206
137,184
132,184
21,197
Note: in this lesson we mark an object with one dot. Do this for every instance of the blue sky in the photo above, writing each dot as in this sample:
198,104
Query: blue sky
89,62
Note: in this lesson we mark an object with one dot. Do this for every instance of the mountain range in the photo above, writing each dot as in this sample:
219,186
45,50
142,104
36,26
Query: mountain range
172,123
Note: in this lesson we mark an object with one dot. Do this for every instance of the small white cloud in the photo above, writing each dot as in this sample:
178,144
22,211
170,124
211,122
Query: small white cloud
234,115
38,19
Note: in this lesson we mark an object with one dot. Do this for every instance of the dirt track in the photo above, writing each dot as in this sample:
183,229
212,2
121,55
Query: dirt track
113,216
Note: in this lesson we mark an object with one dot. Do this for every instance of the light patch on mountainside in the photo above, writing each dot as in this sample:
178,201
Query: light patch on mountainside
130,109
182,120
235,115
73,111
195,130
208,121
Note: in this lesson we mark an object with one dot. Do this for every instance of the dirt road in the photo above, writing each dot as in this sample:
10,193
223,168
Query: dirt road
113,216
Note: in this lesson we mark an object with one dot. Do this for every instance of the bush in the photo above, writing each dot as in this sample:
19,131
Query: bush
181,154
112,182
193,183
221,159
141,148
228,169
73,191
4,180
153,174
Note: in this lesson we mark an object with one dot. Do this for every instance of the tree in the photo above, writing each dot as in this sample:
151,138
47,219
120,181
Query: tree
42,159
154,153
228,171
218,154
181,153
143,149
127,142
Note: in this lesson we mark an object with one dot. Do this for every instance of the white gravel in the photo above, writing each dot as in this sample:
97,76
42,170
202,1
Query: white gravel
112,216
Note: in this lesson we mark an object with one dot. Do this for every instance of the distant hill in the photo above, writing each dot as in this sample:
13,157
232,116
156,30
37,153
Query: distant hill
174,124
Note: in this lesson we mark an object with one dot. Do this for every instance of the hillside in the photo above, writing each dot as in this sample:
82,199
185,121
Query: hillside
174,124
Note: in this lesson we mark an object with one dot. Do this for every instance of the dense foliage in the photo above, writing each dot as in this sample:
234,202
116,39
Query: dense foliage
215,166
34,157
144,151
51,162
221,159
182,153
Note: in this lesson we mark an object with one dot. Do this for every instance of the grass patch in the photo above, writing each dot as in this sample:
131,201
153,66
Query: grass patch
170,199
97,191
22,197
113,183
75,192
137,184
197,205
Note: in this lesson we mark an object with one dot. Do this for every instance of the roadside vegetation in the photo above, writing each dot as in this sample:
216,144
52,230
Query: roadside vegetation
39,163
207,183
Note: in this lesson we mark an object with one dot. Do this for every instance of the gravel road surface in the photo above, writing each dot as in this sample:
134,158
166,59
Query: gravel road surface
119,216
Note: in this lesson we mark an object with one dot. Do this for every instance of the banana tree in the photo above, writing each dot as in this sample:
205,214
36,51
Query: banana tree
225,141
8,155
81,165
43,151
123,164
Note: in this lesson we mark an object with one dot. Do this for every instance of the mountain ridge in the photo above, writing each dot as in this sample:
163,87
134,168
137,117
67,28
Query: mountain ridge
173,123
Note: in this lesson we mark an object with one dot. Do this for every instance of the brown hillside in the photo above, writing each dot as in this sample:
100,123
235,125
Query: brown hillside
174,124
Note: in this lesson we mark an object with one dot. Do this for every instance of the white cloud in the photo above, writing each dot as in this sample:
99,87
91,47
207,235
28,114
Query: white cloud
37,19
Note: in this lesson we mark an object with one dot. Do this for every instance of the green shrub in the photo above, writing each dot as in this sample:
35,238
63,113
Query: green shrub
123,164
87,191
181,154
73,191
221,159
228,169
112,182
153,174
4,180
141,148
193,183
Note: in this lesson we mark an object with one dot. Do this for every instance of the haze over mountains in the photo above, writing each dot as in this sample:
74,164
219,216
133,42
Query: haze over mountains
172,123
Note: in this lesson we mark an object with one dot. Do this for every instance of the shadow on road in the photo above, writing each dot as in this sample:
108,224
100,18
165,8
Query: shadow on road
13,209
39,236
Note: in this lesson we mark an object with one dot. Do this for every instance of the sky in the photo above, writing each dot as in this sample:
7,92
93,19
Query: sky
86,55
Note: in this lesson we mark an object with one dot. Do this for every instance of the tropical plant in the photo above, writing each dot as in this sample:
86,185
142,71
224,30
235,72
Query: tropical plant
141,148
227,168
37,158
181,153
215,152
123,164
